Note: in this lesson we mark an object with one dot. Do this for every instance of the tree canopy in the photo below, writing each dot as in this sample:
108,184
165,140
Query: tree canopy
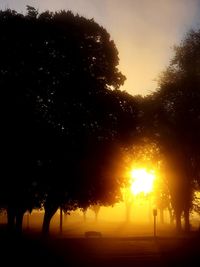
61,107
175,113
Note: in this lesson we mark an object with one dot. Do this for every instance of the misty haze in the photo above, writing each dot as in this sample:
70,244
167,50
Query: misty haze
100,133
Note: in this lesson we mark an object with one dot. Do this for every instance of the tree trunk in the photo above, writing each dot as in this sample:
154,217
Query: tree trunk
171,216
96,216
15,219
65,217
84,215
49,212
187,219
178,221
96,208
162,216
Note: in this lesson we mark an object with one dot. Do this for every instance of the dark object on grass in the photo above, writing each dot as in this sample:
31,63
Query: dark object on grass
93,234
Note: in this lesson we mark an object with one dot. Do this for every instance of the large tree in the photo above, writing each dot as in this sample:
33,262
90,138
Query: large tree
60,107
175,108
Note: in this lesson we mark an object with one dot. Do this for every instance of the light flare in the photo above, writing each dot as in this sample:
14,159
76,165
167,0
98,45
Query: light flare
142,181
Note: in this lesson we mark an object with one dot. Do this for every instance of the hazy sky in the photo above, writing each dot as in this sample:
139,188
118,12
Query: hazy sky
144,31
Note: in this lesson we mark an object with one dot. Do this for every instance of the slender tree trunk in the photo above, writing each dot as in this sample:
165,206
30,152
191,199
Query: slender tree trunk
65,217
84,215
171,216
187,219
178,221
96,208
96,216
162,216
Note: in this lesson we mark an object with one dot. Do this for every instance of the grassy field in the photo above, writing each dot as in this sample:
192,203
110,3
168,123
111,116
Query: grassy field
31,249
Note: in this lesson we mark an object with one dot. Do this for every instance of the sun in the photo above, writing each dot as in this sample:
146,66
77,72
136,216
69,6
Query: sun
142,181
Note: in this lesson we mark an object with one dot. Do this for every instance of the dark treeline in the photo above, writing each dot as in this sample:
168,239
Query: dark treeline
64,121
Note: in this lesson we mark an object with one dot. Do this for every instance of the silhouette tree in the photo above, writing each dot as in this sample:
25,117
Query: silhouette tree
61,108
175,109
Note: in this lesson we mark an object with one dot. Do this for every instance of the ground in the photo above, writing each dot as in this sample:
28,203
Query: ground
31,249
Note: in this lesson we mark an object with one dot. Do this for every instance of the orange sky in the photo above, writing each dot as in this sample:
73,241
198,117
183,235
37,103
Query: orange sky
144,31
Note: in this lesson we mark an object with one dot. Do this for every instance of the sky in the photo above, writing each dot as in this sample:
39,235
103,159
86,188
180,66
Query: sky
144,31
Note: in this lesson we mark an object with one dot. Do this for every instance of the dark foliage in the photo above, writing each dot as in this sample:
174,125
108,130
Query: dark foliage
61,111
175,123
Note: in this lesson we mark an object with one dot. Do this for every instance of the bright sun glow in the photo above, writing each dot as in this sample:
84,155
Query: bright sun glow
141,181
